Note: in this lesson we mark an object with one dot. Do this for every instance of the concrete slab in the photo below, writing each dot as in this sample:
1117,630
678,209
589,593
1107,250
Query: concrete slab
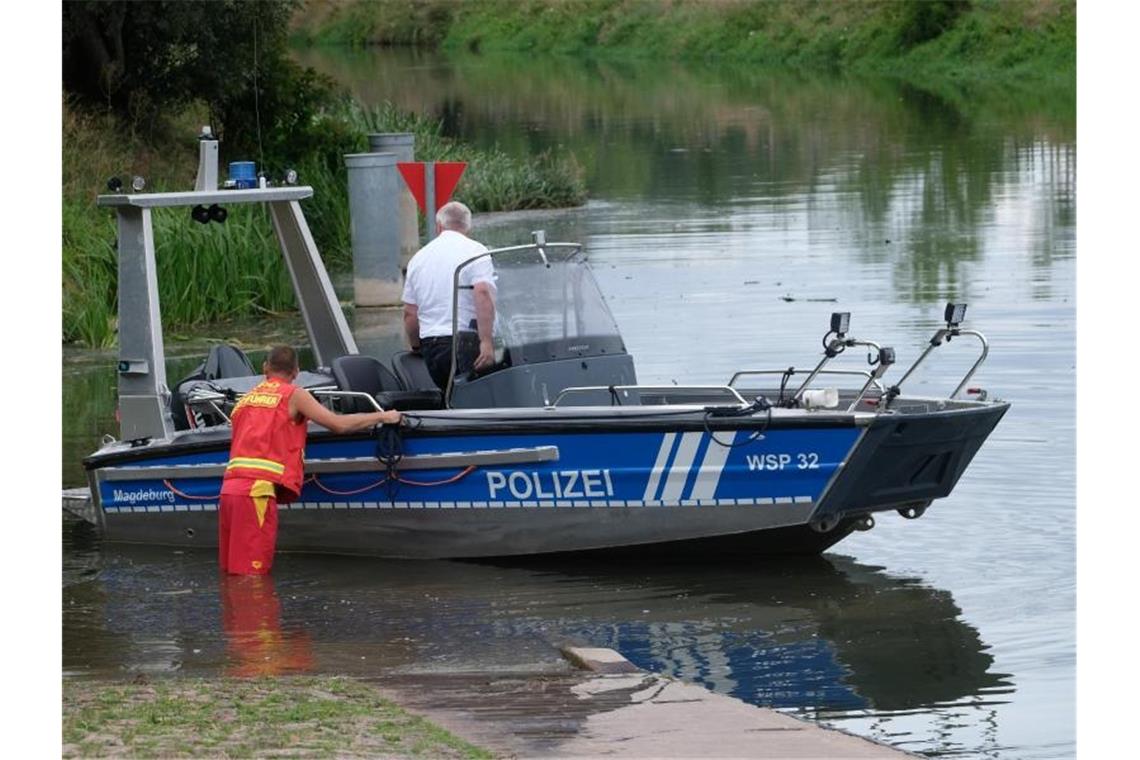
77,501
582,713
667,718
599,660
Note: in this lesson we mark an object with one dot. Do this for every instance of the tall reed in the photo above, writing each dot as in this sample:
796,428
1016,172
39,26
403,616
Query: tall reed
219,271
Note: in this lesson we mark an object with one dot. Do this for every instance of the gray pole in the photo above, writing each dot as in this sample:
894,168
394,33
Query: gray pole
429,201
373,204
329,335
403,145
143,395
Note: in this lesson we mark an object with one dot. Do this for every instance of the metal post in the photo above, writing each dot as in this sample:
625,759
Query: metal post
373,203
329,335
144,410
403,145
429,202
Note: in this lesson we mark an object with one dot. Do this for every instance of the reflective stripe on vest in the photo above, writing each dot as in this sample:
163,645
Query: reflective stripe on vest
277,468
267,443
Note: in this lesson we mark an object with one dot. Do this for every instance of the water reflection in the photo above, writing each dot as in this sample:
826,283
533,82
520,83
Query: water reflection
256,644
821,633
828,634
900,175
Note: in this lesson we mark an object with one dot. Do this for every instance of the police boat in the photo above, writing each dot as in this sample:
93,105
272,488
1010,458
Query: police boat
557,449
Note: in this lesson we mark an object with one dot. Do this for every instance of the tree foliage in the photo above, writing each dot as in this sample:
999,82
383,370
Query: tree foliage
143,60
923,20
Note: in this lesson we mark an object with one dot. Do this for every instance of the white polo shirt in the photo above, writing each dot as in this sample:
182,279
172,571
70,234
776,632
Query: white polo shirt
431,272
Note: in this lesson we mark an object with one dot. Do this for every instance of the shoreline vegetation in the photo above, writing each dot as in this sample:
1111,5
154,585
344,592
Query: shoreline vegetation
295,716
214,272
957,40
133,121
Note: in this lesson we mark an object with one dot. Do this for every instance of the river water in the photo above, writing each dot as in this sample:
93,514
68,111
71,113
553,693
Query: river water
731,211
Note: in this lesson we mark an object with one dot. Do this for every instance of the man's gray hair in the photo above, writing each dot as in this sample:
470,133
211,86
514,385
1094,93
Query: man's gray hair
454,216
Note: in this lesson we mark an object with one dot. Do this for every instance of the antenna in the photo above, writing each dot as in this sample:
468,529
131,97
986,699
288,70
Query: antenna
256,103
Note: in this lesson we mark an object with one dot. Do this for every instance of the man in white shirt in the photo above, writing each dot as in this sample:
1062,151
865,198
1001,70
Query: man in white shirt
428,295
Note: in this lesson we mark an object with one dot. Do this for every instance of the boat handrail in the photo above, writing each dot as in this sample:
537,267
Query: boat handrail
322,393
350,465
525,246
214,398
860,372
944,335
613,389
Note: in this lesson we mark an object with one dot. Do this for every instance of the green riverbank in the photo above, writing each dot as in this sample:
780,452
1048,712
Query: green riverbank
215,272
915,39
296,716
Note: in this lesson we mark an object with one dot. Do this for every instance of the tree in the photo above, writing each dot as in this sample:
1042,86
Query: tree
144,60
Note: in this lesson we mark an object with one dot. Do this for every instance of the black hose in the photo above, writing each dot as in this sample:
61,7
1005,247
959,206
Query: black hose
761,404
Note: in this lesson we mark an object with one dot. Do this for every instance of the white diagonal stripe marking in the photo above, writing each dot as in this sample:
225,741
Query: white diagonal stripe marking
708,476
659,465
679,472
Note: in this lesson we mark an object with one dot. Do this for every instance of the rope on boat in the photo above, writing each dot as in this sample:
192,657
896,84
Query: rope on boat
315,481
454,478
389,452
176,492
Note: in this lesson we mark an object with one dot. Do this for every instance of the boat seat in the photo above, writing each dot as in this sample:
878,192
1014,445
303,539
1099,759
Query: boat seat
413,372
367,374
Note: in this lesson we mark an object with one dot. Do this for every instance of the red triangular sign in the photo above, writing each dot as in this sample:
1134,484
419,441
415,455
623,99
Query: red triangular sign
447,174
413,174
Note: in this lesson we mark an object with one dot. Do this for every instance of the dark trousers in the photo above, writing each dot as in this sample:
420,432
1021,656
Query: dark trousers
437,356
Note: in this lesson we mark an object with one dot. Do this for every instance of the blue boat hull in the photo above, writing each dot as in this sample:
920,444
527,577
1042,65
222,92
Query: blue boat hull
683,485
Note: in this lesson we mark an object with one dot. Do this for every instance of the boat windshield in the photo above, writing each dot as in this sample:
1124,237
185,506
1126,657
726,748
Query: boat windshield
547,304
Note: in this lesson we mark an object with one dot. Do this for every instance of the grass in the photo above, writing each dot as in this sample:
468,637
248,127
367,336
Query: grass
969,39
392,22
216,271
295,716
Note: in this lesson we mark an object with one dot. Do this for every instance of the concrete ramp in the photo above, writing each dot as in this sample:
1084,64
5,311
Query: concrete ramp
77,502
603,708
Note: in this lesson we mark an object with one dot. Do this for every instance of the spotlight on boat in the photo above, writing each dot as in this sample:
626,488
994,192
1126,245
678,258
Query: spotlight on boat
866,522
200,214
290,176
840,322
138,183
217,213
912,511
955,314
114,184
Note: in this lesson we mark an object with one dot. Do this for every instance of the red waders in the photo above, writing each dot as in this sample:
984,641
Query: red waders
266,466
247,526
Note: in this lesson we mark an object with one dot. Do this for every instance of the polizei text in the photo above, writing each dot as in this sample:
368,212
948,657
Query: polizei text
557,484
